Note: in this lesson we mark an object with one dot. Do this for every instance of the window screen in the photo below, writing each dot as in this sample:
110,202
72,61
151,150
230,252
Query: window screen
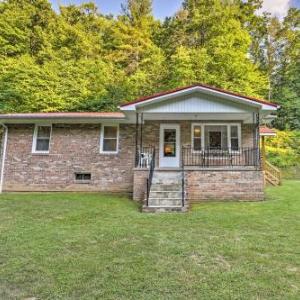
110,139
197,138
42,138
234,137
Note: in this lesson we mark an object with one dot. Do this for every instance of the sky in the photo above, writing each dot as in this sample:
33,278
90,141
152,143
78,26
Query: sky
161,8
164,8
279,8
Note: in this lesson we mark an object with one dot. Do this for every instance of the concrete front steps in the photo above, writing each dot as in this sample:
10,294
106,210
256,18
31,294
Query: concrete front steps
165,193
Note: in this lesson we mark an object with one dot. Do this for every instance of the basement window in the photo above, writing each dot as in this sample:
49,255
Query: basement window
83,177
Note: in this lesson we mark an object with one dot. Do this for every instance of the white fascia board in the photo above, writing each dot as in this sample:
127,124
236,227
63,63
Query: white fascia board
267,107
130,107
62,120
267,134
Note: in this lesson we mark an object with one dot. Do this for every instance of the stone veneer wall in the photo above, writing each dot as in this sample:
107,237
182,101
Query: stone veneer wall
248,135
140,184
224,185
203,185
73,148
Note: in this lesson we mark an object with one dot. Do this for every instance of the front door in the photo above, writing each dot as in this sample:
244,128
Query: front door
169,153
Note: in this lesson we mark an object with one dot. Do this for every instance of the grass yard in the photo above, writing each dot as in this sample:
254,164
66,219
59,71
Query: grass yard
91,246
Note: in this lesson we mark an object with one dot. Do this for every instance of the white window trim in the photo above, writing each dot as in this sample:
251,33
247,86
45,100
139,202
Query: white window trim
202,125
202,137
102,139
35,133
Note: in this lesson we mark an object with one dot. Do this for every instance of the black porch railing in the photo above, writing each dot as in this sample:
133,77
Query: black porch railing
150,175
182,186
144,157
242,157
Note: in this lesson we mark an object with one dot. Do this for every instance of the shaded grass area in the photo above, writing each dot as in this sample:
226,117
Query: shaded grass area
92,246
291,172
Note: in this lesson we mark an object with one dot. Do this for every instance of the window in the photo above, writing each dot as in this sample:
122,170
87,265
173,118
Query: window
109,139
197,137
169,142
41,139
216,136
234,137
83,177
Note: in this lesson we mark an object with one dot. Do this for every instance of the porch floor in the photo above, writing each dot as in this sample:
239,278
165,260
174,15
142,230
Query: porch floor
195,168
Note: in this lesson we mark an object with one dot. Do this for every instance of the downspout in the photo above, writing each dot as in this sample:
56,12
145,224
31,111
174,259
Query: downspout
3,156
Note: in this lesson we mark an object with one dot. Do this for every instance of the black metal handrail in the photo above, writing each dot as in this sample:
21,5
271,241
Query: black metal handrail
225,157
183,185
150,175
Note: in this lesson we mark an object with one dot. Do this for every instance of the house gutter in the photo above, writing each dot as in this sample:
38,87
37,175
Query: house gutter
3,156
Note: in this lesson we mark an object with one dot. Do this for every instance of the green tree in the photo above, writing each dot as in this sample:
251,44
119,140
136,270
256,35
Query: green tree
275,48
133,50
23,26
80,59
216,44
287,77
54,86
66,70
137,11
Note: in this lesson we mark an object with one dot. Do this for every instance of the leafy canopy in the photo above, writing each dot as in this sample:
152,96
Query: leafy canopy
79,59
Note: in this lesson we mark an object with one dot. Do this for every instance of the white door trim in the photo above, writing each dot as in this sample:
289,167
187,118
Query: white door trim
169,162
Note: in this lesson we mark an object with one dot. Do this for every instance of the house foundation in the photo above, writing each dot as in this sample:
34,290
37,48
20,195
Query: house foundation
245,185
211,185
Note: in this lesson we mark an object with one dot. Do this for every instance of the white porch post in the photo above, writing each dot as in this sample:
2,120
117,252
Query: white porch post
141,132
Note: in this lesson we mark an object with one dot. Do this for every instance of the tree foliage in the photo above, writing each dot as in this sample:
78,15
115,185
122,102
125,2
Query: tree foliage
79,59
284,149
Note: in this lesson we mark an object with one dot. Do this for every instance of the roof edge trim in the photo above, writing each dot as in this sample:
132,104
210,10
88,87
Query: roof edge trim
181,89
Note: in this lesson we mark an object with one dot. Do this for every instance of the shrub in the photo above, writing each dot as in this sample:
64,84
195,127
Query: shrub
284,149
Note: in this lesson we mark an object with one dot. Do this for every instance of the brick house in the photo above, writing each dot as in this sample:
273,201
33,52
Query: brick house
189,144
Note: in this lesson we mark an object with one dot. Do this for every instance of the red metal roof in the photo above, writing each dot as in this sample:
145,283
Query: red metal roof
203,86
64,115
264,130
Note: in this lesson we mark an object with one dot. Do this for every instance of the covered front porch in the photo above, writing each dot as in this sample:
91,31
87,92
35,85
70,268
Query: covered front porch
176,144
181,161
197,143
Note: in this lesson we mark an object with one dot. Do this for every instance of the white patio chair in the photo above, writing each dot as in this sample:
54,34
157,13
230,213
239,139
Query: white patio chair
145,160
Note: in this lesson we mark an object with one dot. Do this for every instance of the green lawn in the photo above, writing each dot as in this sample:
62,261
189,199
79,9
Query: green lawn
91,246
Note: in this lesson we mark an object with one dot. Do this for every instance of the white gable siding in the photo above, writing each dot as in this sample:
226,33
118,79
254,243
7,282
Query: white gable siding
197,103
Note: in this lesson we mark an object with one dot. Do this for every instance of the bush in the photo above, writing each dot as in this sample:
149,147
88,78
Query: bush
284,150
